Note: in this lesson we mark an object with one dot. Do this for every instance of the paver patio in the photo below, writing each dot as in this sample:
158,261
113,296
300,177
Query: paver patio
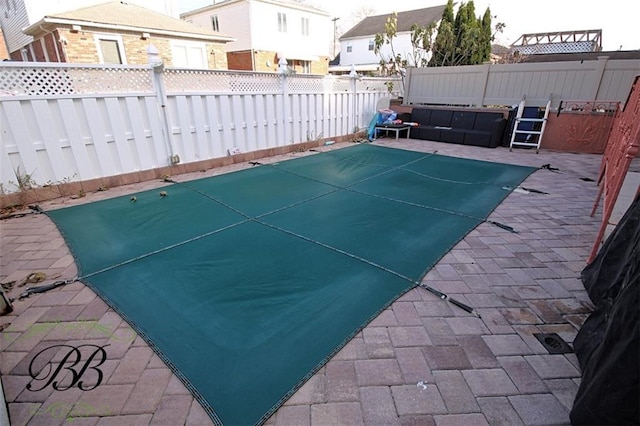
422,361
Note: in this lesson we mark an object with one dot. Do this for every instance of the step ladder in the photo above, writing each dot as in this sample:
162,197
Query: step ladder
531,127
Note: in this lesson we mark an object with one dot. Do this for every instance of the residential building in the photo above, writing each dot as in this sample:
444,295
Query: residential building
120,33
267,30
15,15
4,52
357,46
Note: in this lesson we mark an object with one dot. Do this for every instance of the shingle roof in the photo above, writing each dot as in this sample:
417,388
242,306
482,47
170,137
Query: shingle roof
122,14
372,25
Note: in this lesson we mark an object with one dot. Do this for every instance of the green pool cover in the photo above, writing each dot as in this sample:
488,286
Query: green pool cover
247,283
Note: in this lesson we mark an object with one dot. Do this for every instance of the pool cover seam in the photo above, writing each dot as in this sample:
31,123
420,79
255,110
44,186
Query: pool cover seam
257,219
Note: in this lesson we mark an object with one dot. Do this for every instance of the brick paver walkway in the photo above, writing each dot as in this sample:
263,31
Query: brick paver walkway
423,361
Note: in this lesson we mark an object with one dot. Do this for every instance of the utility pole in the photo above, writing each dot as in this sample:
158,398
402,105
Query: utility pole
334,36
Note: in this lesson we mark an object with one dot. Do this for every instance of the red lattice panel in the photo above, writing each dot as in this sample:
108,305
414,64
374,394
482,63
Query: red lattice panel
623,145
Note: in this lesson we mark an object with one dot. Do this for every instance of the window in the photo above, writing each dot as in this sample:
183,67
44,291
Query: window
371,44
306,67
186,54
214,23
282,22
304,24
349,48
110,49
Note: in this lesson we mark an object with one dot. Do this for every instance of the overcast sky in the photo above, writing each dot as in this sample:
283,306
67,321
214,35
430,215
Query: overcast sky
618,19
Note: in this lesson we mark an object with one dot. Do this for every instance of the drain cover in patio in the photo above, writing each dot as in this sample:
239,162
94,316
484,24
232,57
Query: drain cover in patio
245,284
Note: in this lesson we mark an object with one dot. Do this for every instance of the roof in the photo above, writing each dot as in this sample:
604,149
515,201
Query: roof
120,15
285,3
372,25
498,49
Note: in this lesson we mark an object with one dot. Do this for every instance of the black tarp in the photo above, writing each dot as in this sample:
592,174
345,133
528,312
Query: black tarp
608,344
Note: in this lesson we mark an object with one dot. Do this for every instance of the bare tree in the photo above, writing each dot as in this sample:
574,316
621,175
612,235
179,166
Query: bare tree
362,12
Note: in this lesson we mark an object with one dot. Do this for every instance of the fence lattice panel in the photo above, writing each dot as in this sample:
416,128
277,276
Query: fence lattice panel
17,79
209,81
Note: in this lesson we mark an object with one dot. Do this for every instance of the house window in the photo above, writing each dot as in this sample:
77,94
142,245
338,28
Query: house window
110,49
305,26
187,54
371,44
282,22
306,67
214,23
349,48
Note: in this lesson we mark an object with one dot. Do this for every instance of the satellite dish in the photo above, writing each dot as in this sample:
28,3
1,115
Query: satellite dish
268,63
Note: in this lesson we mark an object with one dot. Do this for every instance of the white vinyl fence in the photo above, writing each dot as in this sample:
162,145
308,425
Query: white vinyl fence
603,79
67,122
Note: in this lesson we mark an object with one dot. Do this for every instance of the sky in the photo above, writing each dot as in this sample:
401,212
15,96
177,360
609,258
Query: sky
618,19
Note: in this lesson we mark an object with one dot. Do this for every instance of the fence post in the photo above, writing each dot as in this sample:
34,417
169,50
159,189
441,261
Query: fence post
157,68
354,99
407,86
598,74
286,107
485,80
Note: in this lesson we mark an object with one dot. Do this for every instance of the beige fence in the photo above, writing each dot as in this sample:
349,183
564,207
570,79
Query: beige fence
506,84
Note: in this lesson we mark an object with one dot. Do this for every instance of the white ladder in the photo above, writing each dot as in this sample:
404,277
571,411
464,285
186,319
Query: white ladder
534,137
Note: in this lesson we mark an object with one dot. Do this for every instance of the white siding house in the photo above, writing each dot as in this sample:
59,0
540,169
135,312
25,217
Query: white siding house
15,15
357,44
267,30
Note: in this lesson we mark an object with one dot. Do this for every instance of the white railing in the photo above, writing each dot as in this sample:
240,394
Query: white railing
64,123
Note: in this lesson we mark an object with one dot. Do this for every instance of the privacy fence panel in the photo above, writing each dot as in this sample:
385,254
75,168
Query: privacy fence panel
78,138
63,123
506,84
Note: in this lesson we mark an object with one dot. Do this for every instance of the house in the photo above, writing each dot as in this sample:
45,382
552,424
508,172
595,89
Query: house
357,44
15,15
269,30
4,52
120,33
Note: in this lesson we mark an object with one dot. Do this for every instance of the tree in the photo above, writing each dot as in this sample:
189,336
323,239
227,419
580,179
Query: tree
445,43
389,64
486,36
362,12
395,63
421,43
465,40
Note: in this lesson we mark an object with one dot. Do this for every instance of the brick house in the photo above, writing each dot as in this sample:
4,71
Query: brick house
267,30
120,33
